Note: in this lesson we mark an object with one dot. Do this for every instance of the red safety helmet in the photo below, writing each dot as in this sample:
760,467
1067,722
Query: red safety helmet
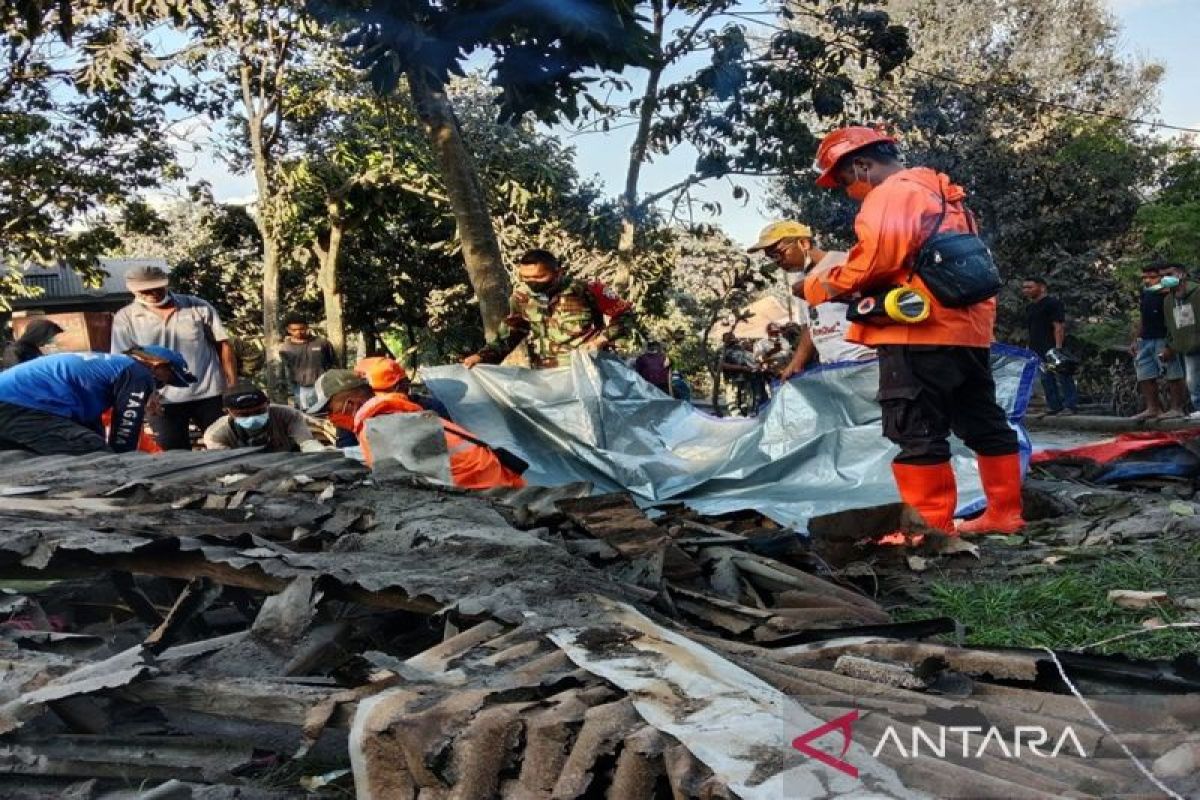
841,143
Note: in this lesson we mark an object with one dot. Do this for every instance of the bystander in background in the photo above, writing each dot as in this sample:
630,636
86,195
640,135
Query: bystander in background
1046,321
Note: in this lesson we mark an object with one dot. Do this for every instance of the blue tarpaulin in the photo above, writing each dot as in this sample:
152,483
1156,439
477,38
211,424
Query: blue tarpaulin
816,449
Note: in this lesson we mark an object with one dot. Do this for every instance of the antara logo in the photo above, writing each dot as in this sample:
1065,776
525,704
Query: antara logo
938,740
844,724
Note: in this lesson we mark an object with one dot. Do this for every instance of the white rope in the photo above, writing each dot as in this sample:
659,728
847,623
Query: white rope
1140,632
1104,726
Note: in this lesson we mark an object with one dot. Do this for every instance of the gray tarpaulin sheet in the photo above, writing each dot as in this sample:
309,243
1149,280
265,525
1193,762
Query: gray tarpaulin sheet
817,448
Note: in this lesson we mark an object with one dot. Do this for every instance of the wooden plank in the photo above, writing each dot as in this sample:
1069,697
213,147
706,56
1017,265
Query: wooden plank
617,520
241,698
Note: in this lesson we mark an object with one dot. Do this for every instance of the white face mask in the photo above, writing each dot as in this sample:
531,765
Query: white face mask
254,423
166,301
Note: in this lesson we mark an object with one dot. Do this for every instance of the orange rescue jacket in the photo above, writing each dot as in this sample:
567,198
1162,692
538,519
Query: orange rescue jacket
472,466
893,223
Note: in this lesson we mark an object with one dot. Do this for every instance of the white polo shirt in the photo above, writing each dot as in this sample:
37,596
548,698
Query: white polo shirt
827,324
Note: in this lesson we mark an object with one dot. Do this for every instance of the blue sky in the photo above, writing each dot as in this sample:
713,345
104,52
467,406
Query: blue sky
1165,31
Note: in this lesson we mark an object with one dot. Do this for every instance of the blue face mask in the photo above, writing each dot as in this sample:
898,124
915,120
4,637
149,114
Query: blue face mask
1165,282
254,423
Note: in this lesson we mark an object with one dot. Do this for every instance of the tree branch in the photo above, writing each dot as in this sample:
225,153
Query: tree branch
682,44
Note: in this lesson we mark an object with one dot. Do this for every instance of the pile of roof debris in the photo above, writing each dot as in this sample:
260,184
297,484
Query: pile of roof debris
236,624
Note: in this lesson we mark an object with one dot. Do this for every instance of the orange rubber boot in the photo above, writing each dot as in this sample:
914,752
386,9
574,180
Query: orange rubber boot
931,490
1001,476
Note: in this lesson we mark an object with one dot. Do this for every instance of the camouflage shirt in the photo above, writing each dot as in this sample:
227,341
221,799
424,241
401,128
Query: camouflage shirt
554,325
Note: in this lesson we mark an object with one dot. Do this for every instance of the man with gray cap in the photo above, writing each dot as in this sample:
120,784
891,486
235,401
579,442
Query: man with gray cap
191,327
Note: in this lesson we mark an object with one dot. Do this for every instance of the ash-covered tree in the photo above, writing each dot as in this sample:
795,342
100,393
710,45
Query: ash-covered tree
354,155
1028,113
540,56
82,107
366,203
240,55
712,282
1169,225
731,81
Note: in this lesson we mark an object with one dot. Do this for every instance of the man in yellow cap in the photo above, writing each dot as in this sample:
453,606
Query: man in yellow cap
793,248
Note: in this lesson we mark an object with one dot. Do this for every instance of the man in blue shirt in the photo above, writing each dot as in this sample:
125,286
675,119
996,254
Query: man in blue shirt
53,405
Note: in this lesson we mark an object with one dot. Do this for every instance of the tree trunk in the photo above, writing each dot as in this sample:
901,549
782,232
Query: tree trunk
630,209
327,281
716,391
273,366
264,219
481,251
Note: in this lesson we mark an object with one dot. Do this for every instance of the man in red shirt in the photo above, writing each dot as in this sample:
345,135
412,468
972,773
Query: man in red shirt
934,376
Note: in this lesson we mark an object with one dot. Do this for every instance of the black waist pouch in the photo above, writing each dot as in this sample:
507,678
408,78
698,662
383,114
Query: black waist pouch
957,267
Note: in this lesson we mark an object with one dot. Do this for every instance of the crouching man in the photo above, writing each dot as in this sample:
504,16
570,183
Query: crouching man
350,402
252,420
53,405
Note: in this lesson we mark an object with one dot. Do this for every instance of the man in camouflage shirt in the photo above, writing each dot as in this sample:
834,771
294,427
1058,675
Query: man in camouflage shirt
555,314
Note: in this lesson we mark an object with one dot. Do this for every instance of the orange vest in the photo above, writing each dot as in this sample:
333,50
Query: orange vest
146,442
891,226
472,466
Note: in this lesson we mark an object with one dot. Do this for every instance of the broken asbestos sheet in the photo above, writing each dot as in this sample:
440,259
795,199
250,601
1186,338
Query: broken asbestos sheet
729,719
816,449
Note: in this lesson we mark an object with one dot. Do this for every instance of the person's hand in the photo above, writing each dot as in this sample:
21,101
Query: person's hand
472,360
597,343
1167,354
790,371
1133,347
154,405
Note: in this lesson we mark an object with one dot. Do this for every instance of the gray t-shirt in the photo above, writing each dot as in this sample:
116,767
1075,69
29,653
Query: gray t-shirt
184,332
286,431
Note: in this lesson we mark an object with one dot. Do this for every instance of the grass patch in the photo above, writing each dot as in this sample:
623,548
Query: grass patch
1070,609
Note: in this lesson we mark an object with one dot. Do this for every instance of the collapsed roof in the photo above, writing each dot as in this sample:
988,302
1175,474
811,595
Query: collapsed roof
242,624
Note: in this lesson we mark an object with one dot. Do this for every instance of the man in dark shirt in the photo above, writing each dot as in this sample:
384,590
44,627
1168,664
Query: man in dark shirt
307,357
1046,320
1152,358
655,367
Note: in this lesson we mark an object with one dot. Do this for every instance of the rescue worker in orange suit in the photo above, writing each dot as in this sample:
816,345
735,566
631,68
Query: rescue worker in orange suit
934,376
350,402
388,376
554,314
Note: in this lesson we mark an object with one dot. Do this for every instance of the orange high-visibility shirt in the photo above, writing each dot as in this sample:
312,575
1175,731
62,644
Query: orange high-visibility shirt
146,442
472,466
891,226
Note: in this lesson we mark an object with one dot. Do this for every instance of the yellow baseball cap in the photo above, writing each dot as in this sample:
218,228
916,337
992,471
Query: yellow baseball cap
778,231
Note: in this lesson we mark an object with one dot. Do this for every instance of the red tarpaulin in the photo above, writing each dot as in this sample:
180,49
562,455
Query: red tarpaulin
1114,449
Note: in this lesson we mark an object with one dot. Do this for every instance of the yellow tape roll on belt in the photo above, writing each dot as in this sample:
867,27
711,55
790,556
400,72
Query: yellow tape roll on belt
906,304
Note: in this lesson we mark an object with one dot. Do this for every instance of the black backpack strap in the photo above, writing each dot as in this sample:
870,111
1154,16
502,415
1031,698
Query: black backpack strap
937,226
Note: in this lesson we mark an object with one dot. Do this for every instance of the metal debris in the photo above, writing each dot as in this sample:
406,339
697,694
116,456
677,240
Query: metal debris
271,625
